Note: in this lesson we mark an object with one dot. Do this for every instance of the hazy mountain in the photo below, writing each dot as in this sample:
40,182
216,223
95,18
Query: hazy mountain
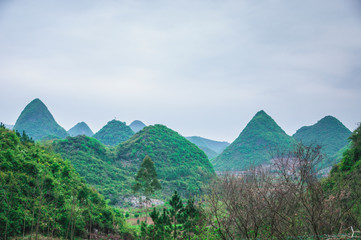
80,129
210,147
180,164
328,132
137,125
38,123
254,145
113,133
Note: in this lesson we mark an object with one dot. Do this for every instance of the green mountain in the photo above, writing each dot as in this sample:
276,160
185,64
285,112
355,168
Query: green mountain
38,123
137,125
80,129
209,152
113,133
210,147
93,161
329,133
40,192
180,164
255,145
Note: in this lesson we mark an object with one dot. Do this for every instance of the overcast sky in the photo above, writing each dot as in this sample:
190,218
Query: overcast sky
200,67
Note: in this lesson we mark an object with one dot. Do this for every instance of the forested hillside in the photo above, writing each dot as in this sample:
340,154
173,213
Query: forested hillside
38,123
94,162
180,164
40,193
113,133
255,145
80,129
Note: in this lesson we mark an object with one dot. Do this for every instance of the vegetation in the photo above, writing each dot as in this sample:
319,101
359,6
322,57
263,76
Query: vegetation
113,133
137,125
210,153
80,129
261,136
180,164
38,123
93,161
329,133
40,193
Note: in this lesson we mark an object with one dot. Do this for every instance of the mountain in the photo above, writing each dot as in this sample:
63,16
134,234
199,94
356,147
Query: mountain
93,161
80,129
328,132
210,147
113,133
180,164
41,189
254,145
137,125
38,123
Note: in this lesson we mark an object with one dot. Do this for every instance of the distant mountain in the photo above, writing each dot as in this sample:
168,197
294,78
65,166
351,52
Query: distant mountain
93,162
328,132
80,129
38,123
254,145
137,125
113,133
180,164
210,147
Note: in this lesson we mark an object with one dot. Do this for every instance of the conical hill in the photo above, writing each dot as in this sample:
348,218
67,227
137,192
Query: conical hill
255,145
38,123
328,132
137,125
180,164
113,133
80,129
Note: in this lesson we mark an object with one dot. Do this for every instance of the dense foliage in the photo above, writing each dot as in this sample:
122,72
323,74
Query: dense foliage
137,125
40,193
93,161
329,133
254,145
180,164
345,178
80,129
113,133
38,123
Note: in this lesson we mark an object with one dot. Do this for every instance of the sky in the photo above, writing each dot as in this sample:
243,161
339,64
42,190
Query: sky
201,67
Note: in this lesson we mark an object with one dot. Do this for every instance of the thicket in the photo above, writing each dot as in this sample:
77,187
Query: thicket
40,193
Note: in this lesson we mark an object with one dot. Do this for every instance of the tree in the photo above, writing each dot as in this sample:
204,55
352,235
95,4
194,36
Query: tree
146,180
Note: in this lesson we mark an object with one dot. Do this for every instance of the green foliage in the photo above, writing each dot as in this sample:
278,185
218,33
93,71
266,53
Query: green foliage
178,222
345,178
37,122
329,133
93,161
146,180
180,164
114,133
80,129
137,125
254,145
40,193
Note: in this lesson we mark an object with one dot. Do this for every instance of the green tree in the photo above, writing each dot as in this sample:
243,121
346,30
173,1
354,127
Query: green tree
146,181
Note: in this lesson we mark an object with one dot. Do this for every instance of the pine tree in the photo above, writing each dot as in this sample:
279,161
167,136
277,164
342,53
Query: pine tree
146,180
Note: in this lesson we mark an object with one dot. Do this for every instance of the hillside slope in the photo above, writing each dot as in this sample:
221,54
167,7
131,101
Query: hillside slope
180,164
254,145
80,129
113,133
38,123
